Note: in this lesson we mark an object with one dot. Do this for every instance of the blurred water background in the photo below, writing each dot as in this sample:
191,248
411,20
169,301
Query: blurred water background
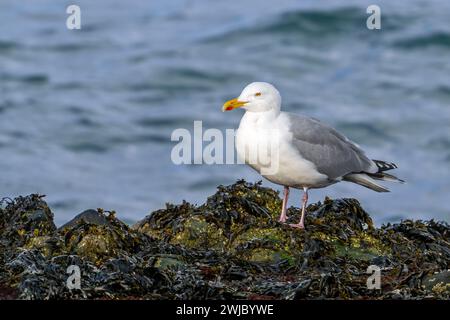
86,116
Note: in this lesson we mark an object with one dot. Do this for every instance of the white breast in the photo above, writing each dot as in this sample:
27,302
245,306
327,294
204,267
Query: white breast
263,142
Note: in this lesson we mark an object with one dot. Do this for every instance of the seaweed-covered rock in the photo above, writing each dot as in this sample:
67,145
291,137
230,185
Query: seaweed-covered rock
98,237
231,247
24,220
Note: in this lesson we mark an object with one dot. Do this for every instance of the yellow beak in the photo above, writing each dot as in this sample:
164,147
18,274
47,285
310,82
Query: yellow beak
233,104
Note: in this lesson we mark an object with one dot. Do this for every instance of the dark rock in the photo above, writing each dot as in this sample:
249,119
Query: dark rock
438,283
89,216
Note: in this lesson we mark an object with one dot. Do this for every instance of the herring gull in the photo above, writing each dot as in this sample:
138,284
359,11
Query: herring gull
297,151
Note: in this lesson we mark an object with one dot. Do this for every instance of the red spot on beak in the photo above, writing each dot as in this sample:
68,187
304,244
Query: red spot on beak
229,108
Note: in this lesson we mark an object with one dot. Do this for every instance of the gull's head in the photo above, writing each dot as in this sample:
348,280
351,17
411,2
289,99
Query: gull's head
256,97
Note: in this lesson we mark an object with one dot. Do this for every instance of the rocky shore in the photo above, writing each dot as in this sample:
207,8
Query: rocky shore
231,247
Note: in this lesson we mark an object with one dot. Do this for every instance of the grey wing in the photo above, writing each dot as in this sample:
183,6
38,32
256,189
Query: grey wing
333,154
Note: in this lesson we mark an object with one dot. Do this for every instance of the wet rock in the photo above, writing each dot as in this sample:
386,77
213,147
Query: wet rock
230,247
100,238
438,283
25,219
89,216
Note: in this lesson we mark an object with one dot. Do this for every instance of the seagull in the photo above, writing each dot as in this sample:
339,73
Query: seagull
297,151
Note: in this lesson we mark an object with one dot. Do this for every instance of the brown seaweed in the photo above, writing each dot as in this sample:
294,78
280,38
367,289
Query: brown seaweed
231,247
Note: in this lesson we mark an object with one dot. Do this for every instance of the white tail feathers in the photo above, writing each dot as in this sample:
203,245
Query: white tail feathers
365,181
383,176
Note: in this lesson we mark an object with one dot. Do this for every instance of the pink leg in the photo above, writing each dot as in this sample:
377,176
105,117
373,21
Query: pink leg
283,215
301,224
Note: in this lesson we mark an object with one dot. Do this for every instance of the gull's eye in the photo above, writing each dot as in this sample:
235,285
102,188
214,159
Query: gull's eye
257,94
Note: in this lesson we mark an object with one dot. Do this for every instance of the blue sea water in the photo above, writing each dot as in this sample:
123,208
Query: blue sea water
86,115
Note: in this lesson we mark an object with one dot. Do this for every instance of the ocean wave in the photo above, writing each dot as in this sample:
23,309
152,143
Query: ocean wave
74,47
314,23
152,122
175,80
103,145
87,146
438,144
8,45
365,132
196,74
435,39
31,79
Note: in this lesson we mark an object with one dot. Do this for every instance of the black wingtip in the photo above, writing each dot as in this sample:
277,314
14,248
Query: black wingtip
384,166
